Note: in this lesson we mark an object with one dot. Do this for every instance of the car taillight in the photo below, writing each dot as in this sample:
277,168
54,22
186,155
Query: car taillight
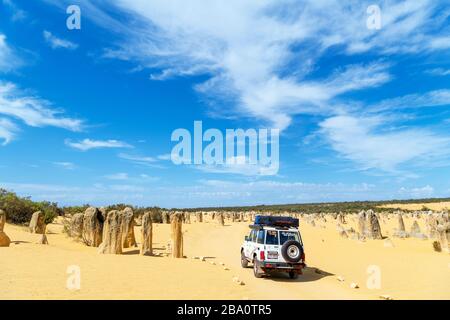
262,256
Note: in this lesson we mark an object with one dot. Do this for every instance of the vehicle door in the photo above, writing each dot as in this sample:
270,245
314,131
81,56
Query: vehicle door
248,244
272,245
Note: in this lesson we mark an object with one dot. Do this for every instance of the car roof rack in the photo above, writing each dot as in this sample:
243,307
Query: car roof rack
275,221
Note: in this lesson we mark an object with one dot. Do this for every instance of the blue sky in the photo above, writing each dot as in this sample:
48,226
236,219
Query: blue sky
86,115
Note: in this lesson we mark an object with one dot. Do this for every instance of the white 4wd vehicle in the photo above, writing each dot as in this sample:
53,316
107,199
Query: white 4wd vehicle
274,245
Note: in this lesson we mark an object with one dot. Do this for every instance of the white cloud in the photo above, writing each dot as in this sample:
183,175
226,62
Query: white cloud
247,58
56,43
165,157
18,104
65,165
141,160
428,99
440,43
32,110
421,192
17,13
117,176
8,60
439,72
7,130
359,139
88,144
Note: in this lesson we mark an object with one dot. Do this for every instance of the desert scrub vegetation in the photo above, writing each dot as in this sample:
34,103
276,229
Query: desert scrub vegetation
20,209
331,207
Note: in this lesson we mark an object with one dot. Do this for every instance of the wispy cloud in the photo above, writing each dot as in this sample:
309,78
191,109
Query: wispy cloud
56,43
141,160
7,130
32,110
17,13
8,60
360,140
65,165
428,99
88,144
418,192
247,61
439,72
117,176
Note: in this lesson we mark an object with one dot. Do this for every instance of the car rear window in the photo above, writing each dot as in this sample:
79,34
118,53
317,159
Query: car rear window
272,237
288,235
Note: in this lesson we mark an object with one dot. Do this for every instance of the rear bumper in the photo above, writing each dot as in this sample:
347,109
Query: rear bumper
281,266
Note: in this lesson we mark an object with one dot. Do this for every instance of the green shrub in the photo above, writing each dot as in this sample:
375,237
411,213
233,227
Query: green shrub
20,209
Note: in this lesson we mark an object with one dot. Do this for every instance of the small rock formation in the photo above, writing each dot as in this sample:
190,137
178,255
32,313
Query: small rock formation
341,218
147,235
4,239
444,236
431,224
37,223
112,234
187,217
199,217
342,232
76,225
92,227
103,212
354,285
373,226
42,239
401,223
415,228
177,235
437,246
220,219
388,243
128,238
362,223
165,217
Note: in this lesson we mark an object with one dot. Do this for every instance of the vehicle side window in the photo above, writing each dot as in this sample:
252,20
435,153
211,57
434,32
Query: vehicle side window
253,239
272,237
260,237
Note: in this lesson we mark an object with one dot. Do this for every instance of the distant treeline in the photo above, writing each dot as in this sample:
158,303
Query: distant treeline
330,207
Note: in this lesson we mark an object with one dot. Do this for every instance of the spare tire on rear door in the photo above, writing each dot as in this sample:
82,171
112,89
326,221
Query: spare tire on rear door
292,251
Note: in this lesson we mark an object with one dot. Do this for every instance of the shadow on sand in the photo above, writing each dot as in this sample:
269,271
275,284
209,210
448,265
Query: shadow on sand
309,274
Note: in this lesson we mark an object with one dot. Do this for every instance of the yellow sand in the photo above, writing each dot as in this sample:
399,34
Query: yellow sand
436,206
410,270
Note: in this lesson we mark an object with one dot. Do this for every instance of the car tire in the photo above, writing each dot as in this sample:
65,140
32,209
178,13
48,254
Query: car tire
244,261
255,270
293,275
292,251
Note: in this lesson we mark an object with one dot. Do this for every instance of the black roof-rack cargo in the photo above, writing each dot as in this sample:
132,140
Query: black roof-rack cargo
275,221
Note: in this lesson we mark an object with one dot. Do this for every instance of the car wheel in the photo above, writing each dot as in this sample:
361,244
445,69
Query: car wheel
293,275
244,261
255,270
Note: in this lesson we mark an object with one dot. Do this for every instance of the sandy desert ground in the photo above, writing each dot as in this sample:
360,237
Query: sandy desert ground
409,270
